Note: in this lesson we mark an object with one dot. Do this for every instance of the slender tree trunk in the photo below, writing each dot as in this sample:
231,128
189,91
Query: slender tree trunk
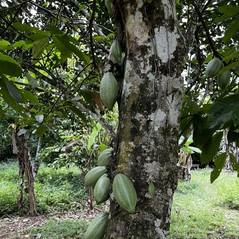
29,176
25,169
147,145
37,161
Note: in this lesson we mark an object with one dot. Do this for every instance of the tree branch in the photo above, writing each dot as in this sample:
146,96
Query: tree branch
91,32
208,35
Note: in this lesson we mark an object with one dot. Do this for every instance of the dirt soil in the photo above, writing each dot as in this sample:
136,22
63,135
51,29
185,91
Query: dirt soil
11,225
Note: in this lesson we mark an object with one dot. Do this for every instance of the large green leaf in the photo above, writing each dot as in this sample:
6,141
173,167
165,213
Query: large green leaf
39,47
231,30
66,48
235,164
9,66
61,47
210,148
13,91
224,111
7,97
41,130
219,163
28,95
201,133
229,67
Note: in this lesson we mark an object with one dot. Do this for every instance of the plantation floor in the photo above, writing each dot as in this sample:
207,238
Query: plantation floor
201,210
10,226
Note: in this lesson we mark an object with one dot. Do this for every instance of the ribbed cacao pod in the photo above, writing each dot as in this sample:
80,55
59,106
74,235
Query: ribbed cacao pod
93,175
124,192
115,52
104,157
108,90
223,79
101,189
213,67
97,227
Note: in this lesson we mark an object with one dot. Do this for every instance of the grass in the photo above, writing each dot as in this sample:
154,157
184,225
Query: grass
56,190
205,210
53,229
200,209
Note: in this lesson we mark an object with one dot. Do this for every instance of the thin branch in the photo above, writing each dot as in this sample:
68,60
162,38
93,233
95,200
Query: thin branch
91,32
210,41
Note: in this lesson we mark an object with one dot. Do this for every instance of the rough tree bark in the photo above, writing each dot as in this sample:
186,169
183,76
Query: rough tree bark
25,169
147,143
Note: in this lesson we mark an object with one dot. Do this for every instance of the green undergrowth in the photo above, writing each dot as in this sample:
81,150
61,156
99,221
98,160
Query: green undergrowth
201,210
56,190
205,210
53,229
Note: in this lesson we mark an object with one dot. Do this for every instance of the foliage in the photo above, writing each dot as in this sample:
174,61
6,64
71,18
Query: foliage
208,109
57,190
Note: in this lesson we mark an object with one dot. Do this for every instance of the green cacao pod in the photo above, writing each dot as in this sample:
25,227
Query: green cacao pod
213,67
101,189
115,52
93,175
223,79
104,157
108,90
97,227
124,192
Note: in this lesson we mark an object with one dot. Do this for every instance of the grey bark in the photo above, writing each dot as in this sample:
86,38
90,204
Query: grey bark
150,104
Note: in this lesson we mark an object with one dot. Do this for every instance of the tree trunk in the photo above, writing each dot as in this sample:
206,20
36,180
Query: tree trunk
147,144
29,176
37,161
25,168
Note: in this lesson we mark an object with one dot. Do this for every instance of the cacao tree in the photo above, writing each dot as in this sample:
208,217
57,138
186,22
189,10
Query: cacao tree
149,108
55,53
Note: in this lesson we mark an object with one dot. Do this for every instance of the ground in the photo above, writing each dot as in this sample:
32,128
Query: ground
12,225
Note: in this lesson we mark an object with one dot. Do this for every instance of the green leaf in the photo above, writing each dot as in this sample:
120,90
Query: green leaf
9,66
27,28
224,111
66,48
235,164
13,91
229,67
61,47
229,10
219,163
6,96
79,113
93,135
28,95
39,47
231,30
1,111
210,148
5,45
41,130
201,133
20,43
32,81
